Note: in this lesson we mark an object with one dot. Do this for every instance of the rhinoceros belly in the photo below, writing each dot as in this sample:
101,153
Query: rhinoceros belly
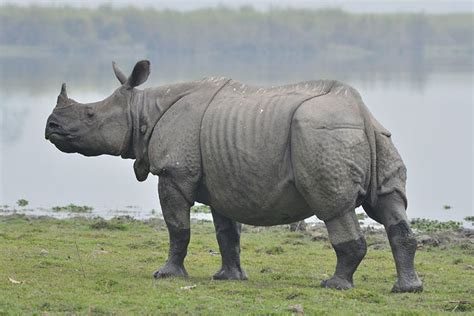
246,159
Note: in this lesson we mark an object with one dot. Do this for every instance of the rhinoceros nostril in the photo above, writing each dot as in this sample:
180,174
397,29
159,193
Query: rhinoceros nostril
53,125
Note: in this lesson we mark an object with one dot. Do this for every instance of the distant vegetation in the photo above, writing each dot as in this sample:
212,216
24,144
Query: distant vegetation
271,47
244,32
429,225
200,208
22,202
72,208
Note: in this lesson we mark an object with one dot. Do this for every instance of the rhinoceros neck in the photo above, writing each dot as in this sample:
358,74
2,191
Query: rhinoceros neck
156,101
146,108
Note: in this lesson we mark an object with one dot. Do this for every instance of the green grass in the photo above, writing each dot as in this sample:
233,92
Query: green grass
200,208
83,266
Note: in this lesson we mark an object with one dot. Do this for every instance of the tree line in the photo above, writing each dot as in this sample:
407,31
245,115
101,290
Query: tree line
243,32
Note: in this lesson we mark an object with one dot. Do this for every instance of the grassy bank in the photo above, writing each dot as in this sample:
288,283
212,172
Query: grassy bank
95,266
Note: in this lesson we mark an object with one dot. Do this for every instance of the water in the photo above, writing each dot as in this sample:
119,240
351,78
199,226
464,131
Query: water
428,112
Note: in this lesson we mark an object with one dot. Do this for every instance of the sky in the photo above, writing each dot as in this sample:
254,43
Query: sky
375,6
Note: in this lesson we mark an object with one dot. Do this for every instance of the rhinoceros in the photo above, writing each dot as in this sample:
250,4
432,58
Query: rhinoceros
258,156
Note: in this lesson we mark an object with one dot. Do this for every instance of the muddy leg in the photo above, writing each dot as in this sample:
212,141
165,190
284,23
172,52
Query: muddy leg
402,241
228,237
176,211
350,246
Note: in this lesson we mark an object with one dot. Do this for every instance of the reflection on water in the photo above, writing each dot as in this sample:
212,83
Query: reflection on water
94,73
136,213
429,113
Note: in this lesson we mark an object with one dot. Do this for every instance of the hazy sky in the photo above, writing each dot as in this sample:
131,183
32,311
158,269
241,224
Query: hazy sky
428,6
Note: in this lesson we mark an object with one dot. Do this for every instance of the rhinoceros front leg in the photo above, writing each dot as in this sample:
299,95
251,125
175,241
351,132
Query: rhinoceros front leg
350,247
228,238
176,212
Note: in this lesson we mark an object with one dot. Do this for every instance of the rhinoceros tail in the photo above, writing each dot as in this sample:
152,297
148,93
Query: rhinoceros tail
370,133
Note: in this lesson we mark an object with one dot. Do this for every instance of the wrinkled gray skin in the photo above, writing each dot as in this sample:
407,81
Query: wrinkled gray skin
256,156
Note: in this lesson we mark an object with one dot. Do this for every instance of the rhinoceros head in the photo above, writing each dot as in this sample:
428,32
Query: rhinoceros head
97,128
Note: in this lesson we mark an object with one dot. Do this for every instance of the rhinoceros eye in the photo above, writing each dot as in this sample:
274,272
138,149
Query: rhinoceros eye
90,113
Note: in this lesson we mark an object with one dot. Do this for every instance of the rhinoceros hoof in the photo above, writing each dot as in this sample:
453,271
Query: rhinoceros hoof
170,271
411,286
230,274
337,283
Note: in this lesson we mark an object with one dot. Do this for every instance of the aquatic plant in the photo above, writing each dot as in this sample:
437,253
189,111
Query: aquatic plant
72,208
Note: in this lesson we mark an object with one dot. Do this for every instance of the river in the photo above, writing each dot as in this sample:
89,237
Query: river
430,115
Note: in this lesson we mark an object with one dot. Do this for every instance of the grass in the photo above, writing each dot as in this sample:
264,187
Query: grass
92,266
200,208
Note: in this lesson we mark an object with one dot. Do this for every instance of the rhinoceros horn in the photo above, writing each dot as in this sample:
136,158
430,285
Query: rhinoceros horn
62,98
63,90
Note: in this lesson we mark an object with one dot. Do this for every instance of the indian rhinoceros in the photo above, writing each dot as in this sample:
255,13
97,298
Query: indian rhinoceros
259,156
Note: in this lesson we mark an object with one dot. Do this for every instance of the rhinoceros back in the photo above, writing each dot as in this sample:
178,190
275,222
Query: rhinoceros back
246,156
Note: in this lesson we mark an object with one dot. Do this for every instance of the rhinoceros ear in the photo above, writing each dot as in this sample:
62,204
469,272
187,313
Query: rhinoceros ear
140,73
118,73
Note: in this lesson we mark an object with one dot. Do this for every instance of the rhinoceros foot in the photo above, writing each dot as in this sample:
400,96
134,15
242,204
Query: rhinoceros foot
234,273
337,283
408,286
170,271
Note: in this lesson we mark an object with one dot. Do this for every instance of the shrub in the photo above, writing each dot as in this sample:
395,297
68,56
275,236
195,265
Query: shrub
22,202
429,225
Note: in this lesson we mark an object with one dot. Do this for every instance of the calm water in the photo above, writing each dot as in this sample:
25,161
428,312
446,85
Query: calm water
429,114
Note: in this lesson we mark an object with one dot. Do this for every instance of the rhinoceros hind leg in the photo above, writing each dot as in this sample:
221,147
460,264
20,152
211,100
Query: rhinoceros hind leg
391,210
350,247
176,212
228,238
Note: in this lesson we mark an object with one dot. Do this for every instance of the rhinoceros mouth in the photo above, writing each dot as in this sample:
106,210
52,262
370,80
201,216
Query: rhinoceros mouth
59,136
53,135
61,141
